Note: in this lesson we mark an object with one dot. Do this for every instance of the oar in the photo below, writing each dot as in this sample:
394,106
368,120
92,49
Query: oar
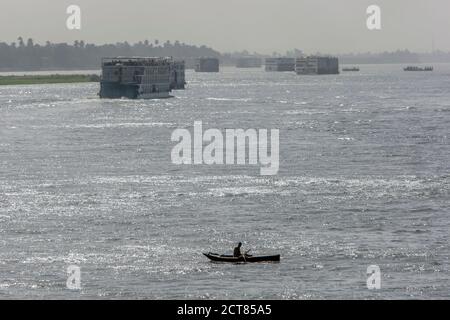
245,260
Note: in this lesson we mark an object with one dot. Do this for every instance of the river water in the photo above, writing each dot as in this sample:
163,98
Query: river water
364,180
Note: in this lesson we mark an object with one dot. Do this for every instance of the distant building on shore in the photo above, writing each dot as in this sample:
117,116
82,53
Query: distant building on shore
207,65
280,64
248,62
140,78
317,65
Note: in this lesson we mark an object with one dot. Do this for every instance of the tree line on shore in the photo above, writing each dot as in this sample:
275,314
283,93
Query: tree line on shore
29,56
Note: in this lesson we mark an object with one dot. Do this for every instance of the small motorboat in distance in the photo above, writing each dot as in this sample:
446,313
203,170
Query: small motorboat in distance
351,69
245,258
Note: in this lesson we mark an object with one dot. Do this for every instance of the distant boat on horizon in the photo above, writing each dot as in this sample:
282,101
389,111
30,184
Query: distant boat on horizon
351,69
415,68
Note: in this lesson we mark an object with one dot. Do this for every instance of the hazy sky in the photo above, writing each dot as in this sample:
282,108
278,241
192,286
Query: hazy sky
332,26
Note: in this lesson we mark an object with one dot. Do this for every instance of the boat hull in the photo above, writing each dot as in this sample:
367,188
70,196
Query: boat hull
110,90
247,259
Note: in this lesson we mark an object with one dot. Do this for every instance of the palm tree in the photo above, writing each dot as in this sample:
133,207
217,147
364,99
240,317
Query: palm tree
21,43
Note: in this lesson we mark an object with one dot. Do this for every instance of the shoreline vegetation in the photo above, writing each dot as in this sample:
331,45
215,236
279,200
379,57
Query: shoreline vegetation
48,79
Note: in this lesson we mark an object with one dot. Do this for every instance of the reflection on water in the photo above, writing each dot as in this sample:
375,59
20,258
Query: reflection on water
363,180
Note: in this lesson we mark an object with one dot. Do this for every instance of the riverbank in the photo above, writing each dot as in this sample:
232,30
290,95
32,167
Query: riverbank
48,79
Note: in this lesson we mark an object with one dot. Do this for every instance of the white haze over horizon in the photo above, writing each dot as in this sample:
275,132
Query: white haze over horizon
262,26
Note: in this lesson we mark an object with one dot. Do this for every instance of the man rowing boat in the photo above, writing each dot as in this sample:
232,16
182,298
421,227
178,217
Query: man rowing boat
237,252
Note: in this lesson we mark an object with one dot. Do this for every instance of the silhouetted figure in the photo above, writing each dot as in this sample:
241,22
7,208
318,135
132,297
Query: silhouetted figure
237,250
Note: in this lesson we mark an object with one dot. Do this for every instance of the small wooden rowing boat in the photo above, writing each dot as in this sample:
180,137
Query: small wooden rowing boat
247,258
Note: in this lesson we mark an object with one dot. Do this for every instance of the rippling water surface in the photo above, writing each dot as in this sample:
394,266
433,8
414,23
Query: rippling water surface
364,180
